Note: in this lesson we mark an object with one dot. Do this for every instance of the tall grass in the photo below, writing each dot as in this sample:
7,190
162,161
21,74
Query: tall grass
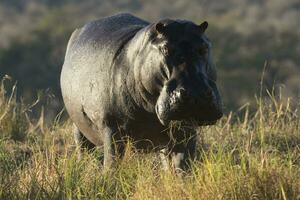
256,156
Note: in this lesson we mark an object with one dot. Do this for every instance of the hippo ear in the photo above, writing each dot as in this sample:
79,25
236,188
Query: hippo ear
160,28
203,26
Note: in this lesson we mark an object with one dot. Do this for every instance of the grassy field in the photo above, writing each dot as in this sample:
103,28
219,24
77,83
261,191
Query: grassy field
254,156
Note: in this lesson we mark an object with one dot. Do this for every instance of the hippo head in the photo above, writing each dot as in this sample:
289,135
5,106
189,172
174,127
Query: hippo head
189,90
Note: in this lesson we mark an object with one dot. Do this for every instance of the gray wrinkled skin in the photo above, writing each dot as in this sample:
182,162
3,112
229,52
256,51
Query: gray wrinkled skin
126,78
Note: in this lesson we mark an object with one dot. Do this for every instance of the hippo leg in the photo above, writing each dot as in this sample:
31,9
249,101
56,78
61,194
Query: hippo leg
182,153
82,142
114,147
164,157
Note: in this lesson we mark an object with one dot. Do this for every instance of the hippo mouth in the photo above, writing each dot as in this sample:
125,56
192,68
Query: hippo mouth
182,105
191,121
201,117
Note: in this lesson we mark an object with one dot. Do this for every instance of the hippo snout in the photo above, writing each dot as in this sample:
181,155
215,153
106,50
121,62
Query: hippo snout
183,96
183,104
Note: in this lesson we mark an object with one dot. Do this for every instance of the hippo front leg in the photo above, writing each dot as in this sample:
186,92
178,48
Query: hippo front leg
164,158
182,153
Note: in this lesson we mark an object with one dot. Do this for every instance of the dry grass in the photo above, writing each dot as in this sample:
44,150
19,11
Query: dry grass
256,156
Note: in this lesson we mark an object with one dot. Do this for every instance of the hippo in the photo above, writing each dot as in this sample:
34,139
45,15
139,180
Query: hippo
124,78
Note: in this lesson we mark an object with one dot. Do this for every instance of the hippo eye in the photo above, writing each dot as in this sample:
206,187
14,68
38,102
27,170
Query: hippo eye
203,49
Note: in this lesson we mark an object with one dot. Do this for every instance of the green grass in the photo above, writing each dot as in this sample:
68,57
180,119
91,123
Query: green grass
256,156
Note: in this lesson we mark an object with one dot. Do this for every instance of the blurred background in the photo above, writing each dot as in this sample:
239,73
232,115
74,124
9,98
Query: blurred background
247,36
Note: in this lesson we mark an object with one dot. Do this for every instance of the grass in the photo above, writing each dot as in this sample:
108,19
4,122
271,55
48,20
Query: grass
256,156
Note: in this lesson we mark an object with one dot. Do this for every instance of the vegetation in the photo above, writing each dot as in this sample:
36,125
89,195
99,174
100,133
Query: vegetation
251,157
252,153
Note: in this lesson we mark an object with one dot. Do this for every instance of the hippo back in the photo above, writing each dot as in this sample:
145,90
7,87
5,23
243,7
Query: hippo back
86,78
111,30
